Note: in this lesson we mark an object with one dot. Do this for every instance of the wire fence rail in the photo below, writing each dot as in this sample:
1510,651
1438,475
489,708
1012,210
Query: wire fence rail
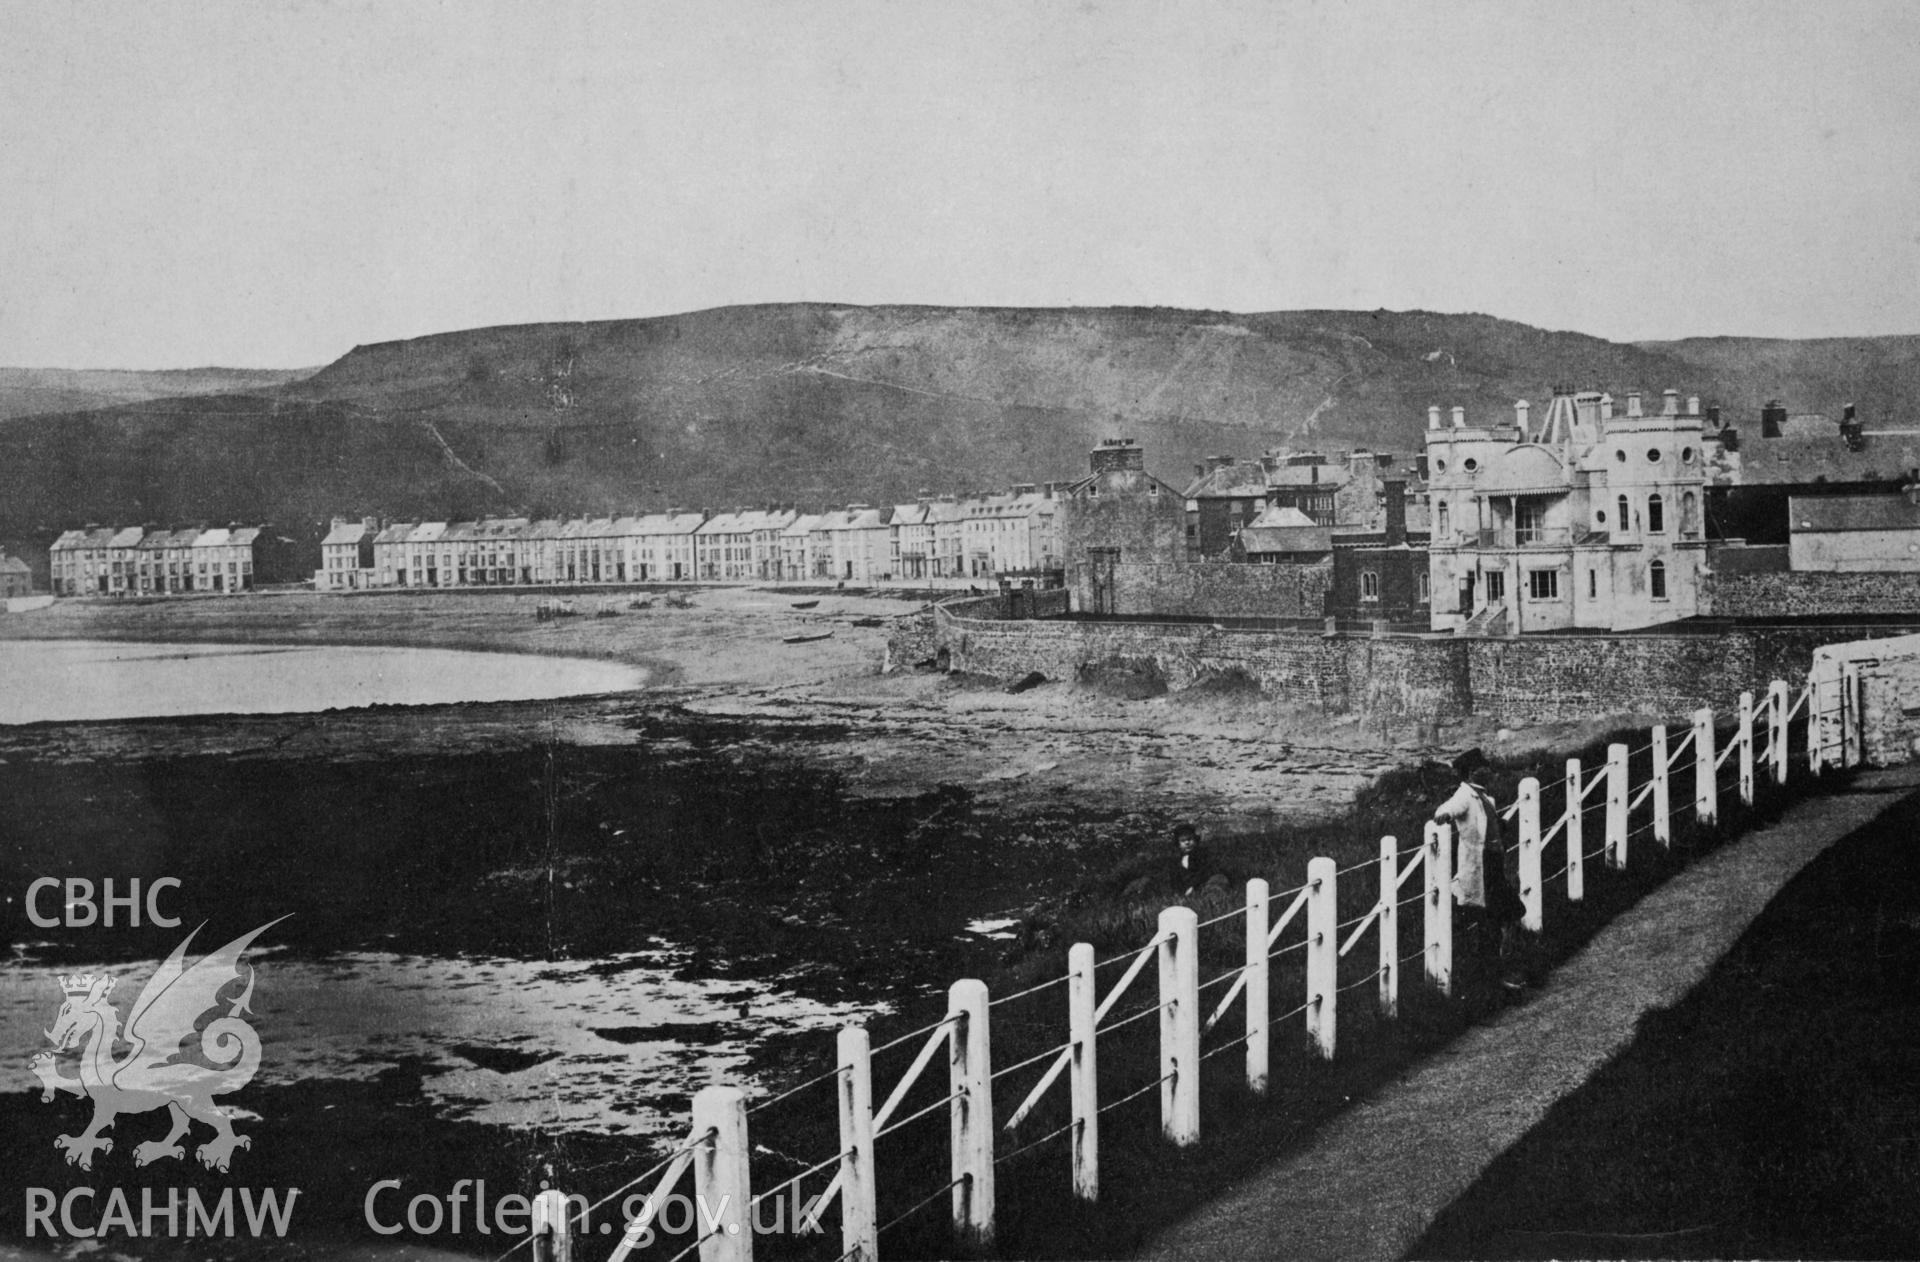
1629,801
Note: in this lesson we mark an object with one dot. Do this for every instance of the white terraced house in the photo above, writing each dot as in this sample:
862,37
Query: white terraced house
347,560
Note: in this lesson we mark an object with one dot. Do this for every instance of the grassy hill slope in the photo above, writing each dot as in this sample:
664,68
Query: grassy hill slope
1879,374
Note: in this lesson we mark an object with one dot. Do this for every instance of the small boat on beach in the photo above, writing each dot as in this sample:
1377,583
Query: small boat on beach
805,637
805,604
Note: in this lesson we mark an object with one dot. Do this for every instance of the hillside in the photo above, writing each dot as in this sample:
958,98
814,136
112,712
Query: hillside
27,391
823,404
1880,374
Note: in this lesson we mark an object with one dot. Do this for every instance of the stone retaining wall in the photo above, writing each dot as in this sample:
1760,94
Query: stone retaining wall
1549,678
1786,594
1424,678
1213,589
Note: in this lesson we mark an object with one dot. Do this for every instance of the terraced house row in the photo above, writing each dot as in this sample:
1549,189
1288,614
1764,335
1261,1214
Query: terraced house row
150,561
975,536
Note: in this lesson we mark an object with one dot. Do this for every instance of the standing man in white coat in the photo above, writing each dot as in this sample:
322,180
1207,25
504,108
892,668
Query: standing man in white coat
1481,890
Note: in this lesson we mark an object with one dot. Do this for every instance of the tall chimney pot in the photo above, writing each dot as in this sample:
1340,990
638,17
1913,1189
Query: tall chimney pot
1633,404
1459,417
1433,417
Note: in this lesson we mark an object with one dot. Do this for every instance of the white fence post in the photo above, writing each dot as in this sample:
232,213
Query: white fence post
1389,927
1744,737
1180,1025
1576,813
1323,954
1777,729
722,1191
551,1227
1528,817
1662,789
1083,1070
1259,915
970,1080
1813,720
1851,727
1616,806
1439,906
859,1191
1706,769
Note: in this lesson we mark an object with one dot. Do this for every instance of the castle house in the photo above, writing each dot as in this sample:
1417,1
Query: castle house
1588,518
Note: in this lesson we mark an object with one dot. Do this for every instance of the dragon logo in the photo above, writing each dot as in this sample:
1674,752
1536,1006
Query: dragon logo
172,1061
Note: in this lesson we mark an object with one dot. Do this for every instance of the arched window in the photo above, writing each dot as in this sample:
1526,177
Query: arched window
1656,514
1445,530
1624,519
1657,579
1690,514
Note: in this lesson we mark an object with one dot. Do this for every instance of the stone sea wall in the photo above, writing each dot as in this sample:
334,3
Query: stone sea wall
1424,678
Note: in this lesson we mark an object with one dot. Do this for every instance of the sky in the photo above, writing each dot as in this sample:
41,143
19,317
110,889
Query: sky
269,183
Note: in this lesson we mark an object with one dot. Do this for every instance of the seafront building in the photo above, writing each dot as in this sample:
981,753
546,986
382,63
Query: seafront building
347,555
1018,532
144,561
975,536
1589,517
16,577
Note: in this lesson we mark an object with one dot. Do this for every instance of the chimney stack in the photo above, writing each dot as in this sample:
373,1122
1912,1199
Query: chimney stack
1459,417
1606,406
1396,495
1693,405
1520,409
1852,433
1669,402
1118,455
1773,419
1633,404
1433,417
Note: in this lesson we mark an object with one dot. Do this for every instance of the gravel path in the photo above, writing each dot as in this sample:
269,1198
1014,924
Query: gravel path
1377,1178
